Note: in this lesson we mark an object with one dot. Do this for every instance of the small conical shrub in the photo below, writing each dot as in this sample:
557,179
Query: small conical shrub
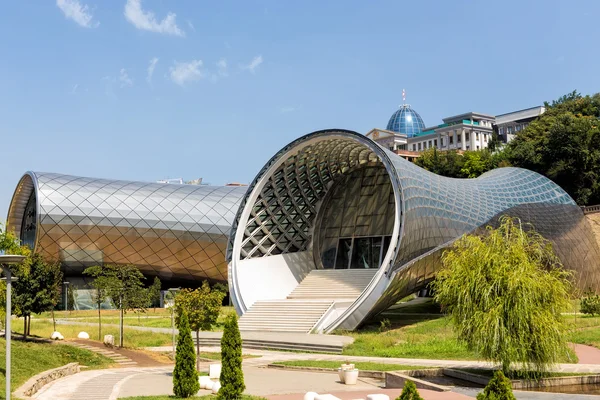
232,377
185,375
409,392
498,388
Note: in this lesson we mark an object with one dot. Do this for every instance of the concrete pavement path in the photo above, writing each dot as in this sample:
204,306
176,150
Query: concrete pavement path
587,354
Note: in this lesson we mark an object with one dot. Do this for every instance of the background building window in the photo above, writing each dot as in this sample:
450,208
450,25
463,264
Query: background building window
467,136
441,141
419,146
414,147
435,142
451,138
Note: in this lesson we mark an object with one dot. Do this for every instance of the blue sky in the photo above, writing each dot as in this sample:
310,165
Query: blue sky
233,82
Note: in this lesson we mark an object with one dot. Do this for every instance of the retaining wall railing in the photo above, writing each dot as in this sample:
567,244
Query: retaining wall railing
590,209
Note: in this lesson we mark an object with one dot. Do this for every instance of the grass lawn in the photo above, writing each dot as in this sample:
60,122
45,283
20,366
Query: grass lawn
205,397
159,318
365,366
29,359
432,336
410,337
585,329
133,338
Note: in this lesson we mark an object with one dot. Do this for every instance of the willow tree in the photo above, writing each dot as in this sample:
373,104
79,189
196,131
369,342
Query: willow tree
505,291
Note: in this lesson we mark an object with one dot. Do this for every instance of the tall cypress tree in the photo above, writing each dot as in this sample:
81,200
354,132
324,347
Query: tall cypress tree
232,377
185,375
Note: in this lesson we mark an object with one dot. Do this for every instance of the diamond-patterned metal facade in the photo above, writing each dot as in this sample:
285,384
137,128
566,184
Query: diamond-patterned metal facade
177,232
279,213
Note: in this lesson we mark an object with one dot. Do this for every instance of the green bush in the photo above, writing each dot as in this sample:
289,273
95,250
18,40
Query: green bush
185,375
409,392
232,377
498,388
590,304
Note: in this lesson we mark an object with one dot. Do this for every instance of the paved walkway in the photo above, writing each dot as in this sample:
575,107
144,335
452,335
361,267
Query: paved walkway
587,354
122,382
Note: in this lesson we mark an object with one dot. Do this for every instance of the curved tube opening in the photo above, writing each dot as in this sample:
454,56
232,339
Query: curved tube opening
328,203
23,212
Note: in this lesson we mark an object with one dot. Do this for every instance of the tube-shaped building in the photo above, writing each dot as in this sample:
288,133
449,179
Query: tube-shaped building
176,232
337,223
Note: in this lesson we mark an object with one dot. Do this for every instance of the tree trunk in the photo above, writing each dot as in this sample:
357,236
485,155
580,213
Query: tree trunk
121,323
53,320
198,350
99,323
24,326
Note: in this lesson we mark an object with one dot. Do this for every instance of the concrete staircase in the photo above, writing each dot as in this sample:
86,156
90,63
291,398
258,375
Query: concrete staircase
308,302
284,315
333,284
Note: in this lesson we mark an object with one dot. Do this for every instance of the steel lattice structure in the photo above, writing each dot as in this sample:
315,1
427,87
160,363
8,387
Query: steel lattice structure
280,219
178,232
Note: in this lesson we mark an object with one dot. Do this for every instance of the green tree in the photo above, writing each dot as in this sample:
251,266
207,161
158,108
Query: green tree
505,290
10,245
498,388
468,164
564,145
409,392
123,285
232,376
590,303
202,307
154,292
185,375
37,288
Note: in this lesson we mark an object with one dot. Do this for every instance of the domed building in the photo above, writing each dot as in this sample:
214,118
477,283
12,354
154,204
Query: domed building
406,121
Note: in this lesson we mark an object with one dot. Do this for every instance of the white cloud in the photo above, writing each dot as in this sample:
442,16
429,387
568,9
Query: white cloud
124,78
74,89
145,20
184,72
256,61
222,67
151,69
192,27
79,13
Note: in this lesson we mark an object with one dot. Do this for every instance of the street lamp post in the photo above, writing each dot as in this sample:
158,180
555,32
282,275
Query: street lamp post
172,292
66,295
4,261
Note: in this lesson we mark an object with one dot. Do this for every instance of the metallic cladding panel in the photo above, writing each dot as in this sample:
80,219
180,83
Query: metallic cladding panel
177,232
435,211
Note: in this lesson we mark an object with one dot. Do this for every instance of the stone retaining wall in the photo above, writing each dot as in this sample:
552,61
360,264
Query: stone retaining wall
34,384
594,220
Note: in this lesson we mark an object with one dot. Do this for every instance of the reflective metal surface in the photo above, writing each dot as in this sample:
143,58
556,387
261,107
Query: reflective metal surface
178,232
281,214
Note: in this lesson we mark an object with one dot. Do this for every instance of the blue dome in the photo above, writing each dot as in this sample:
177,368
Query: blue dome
407,121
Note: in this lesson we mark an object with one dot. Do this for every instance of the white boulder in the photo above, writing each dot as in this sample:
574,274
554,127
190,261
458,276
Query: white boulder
215,387
214,371
57,336
205,382
326,397
310,395
378,396
109,340
83,335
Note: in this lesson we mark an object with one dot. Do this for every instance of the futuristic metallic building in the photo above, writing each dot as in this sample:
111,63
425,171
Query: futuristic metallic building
333,230
406,121
335,200
177,232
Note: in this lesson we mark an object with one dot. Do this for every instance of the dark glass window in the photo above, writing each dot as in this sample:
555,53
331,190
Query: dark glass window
343,253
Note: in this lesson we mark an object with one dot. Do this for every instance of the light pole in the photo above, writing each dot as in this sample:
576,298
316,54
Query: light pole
4,261
66,295
172,292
